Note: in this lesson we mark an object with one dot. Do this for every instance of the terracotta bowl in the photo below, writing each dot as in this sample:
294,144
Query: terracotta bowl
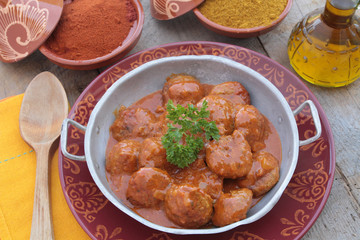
241,32
20,37
128,44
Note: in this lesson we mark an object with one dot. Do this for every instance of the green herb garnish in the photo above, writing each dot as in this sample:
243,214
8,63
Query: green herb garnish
182,141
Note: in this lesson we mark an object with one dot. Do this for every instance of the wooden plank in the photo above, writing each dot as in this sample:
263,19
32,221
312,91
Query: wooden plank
184,28
341,215
338,219
15,77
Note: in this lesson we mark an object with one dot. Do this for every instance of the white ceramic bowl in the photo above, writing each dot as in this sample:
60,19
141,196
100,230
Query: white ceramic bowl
150,77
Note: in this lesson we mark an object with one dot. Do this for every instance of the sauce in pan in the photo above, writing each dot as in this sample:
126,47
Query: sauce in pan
200,195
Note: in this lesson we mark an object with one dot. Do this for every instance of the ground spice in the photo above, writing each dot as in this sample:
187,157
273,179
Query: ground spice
242,13
92,28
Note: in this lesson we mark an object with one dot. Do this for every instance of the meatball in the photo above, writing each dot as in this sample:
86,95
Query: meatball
179,174
152,153
133,123
232,91
232,207
123,157
252,124
182,89
188,206
207,181
263,175
221,111
160,127
147,187
230,157
202,177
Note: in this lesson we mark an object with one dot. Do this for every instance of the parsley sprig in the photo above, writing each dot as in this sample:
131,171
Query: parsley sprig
187,123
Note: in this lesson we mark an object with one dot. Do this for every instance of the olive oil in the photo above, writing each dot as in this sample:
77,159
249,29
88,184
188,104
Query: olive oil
323,48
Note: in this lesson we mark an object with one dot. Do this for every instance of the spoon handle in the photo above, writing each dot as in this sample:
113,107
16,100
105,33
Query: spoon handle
41,226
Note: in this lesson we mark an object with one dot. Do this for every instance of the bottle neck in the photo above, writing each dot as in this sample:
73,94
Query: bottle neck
339,13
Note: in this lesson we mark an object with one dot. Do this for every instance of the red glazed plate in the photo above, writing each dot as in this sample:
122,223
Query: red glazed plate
291,218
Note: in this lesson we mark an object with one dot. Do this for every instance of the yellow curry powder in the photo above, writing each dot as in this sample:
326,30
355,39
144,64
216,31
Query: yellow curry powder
242,13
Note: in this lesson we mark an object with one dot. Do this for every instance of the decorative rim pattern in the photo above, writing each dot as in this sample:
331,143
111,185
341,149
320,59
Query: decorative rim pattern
25,25
168,9
292,216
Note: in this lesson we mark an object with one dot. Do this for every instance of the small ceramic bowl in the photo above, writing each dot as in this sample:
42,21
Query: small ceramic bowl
128,44
149,78
241,32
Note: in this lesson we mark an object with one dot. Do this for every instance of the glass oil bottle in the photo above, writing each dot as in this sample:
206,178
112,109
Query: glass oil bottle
324,47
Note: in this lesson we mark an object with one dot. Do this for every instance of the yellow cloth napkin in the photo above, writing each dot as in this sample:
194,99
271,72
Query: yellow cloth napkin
17,181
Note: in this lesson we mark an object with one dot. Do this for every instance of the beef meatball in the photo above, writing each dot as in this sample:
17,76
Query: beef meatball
147,187
207,181
182,89
230,157
160,127
232,207
188,206
252,124
123,157
232,91
263,175
202,177
221,111
152,153
133,123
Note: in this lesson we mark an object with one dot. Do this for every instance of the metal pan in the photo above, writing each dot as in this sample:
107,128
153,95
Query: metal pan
150,77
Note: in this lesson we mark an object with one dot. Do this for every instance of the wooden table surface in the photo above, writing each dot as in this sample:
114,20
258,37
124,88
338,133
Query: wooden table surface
340,219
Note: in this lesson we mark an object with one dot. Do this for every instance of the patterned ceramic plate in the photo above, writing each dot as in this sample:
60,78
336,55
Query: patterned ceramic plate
292,216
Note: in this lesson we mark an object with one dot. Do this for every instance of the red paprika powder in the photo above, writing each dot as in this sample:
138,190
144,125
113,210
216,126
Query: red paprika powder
91,28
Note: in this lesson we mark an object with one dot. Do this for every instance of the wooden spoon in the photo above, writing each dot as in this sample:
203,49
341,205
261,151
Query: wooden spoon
42,112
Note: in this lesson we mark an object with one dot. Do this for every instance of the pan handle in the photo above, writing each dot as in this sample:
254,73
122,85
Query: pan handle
64,137
315,116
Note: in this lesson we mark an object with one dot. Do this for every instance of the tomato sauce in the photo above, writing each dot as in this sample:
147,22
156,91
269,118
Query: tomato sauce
118,183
